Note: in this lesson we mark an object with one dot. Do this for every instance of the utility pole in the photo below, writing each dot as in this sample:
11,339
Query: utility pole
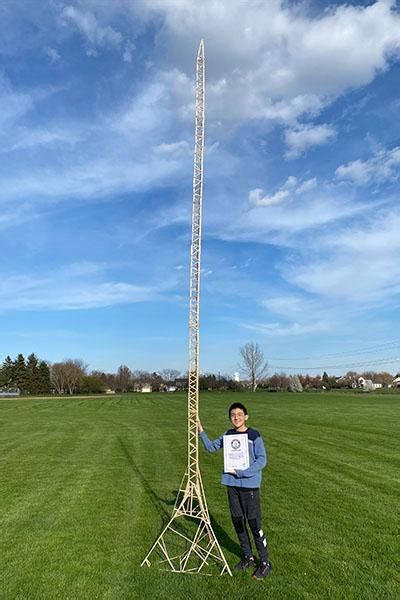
188,544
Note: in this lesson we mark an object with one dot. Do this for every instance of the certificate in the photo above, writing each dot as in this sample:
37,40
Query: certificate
236,452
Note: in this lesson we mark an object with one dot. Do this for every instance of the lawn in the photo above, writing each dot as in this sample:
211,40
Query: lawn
87,483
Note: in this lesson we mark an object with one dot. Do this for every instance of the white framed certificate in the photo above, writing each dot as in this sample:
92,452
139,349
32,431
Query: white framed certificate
236,452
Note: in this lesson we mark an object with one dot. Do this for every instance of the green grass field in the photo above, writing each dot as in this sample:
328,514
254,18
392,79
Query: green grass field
86,484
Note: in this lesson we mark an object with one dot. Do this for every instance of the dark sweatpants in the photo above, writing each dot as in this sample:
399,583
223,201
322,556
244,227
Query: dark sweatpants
244,504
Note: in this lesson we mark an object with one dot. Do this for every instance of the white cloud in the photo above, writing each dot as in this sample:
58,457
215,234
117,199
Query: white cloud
128,52
381,167
92,52
94,25
123,150
306,136
301,313
287,111
291,182
13,104
290,187
337,277
256,197
15,214
88,25
285,223
307,186
378,236
361,264
53,55
288,306
95,178
174,148
275,62
164,101
27,138
293,329
72,287
142,113
267,60
271,90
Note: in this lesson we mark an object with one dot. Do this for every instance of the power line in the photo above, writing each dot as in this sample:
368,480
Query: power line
368,350
390,360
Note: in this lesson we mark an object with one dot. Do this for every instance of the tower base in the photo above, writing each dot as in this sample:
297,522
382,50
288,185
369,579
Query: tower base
188,544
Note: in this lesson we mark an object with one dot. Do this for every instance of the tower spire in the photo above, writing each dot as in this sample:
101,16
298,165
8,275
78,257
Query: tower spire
188,542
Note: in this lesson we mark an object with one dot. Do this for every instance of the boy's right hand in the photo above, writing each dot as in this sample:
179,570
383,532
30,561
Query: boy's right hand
199,426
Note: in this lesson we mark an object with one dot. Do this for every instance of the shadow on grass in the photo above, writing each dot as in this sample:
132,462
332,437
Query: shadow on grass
224,539
160,505
158,502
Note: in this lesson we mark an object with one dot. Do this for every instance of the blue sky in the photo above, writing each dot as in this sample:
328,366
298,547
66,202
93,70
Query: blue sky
301,246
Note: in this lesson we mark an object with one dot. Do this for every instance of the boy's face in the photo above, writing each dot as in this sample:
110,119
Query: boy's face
238,418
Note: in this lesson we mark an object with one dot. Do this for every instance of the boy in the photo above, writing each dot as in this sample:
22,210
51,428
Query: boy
243,491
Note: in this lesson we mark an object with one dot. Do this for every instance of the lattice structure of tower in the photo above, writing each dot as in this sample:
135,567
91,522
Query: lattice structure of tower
188,544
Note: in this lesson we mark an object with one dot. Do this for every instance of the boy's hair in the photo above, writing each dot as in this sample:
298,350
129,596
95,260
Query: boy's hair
237,405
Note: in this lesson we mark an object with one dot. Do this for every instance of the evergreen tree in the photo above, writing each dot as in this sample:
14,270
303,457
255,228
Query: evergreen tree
32,384
20,372
326,381
44,378
7,372
91,384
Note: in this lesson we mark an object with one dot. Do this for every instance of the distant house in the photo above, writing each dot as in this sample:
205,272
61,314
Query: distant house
368,384
145,388
396,382
9,392
171,388
109,391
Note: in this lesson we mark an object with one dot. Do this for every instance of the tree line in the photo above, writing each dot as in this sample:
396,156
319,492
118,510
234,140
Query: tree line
255,367
298,383
32,376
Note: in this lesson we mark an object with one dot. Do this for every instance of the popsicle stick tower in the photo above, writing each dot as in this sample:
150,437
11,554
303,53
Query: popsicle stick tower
187,543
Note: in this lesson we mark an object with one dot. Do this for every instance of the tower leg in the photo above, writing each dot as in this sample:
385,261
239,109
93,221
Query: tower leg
188,544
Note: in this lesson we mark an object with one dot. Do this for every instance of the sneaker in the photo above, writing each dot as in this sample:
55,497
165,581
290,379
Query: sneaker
263,570
245,563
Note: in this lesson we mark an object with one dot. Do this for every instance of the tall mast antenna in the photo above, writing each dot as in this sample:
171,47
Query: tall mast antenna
188,544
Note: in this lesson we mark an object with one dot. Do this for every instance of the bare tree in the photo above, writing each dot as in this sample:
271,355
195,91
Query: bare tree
124,379
253,364
278,381
74,371
141,378
384,378
350,379
170,375
58,378
108,379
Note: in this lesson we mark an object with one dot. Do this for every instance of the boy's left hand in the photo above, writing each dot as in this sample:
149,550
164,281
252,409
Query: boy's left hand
233,472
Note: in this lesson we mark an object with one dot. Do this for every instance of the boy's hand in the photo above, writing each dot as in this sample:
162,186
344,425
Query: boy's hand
233,472
199,426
